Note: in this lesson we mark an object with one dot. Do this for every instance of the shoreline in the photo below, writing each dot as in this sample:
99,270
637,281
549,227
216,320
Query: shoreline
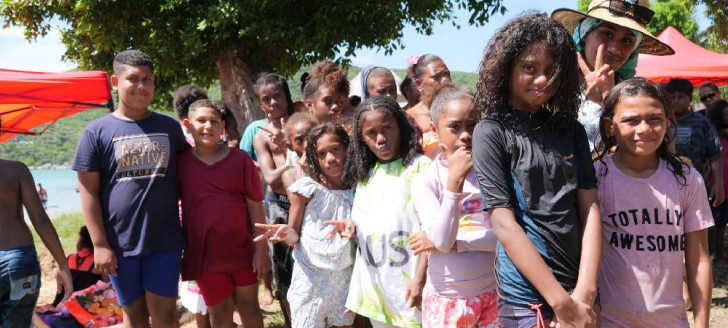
64,166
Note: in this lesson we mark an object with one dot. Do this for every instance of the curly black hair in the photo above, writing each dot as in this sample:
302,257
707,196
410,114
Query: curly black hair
312,166
359,158
270,78
508,43
632,88
184,96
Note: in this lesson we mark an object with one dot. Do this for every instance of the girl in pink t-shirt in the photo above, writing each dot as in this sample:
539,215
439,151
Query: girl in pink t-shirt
655,213
457,236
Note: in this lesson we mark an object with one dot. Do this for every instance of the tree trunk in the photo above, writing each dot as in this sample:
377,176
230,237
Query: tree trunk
236,85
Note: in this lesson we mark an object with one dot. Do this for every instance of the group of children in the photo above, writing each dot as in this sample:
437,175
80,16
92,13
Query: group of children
509,221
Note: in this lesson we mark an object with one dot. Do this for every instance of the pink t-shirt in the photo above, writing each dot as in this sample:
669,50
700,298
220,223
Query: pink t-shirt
455,218
644,223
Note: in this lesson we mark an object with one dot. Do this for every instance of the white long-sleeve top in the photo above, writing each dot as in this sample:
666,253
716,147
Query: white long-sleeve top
455,218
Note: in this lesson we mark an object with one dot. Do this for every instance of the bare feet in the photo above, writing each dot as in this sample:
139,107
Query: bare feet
266,297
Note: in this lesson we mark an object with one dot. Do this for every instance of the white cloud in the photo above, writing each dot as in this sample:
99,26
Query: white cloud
41,55
362,61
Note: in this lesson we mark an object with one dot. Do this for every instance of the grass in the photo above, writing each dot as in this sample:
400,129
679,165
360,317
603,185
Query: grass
67,226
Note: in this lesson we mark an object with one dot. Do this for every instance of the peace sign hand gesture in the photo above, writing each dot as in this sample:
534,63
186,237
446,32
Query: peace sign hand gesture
275,134
600,80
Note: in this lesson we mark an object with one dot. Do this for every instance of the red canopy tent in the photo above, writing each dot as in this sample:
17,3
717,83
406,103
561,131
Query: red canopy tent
690,61
31,99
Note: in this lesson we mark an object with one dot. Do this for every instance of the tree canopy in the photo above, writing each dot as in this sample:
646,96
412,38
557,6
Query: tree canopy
205,40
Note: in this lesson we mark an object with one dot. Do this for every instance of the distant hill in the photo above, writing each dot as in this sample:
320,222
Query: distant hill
58,145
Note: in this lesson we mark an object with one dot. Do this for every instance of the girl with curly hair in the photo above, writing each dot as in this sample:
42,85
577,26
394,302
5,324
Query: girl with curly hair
533,164
655,215
382,159
322,271
326,92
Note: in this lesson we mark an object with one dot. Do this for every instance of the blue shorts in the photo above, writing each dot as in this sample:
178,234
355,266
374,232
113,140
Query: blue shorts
19,286
157,273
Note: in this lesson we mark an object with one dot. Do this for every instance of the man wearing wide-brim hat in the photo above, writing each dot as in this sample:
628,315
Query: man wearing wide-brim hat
608,37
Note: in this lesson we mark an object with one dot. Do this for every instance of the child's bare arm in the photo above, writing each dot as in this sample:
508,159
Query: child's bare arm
44,227
261,262
89,183
717,193
591,246
297,210
699,276
413,297
526,258
271,173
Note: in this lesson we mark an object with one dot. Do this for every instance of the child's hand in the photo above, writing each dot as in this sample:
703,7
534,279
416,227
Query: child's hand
276,135
105,260
346,228
717,194
261,260
64,278
413,297
272,232
419,243
600,80
575,314
460,163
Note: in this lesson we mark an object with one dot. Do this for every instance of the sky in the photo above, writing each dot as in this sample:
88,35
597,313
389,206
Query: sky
461,49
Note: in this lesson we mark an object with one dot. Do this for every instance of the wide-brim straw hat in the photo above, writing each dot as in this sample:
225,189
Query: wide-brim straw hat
599,9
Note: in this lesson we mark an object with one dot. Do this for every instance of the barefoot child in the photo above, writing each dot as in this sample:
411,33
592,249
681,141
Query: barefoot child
655,213
19,266
323,266
532,161
216,215
384,156
127,175
460,289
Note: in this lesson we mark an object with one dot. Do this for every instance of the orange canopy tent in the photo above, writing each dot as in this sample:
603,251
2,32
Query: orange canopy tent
690,61
32,99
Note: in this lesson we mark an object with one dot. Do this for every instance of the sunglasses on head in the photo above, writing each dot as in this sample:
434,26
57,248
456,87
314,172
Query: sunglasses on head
707,96
629,9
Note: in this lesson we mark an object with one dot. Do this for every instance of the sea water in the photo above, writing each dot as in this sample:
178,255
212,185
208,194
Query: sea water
62,188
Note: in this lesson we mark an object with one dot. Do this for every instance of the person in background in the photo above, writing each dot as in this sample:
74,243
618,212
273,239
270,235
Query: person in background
43,194
709,94
718,113
19,267
81,263
609,36
377,81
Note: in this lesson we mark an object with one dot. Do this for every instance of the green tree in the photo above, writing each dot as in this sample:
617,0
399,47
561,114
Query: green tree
199,41
715,37
679,14
676,13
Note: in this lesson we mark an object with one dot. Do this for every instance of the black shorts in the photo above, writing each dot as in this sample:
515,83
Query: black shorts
281,255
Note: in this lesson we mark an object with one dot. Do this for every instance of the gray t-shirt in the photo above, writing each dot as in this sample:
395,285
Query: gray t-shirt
697,139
